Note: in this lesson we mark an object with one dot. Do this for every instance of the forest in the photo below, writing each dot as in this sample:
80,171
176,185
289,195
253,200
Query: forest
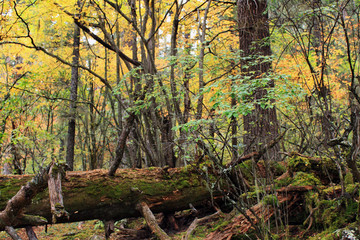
180,119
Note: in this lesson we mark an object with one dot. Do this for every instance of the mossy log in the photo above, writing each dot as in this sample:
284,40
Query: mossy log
96,195
324,168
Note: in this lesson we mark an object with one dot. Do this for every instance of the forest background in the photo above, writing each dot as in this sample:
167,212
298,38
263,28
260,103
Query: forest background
103,84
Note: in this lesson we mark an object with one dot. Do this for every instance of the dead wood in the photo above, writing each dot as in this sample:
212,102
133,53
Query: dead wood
12,233
151,221
241,224
131,234
109,227
30,233
55,192
12,215
295,189
96,195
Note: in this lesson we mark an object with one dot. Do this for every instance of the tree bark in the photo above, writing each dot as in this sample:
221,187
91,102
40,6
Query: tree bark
96,195
30,233
120,148
73,98
12,233
261,124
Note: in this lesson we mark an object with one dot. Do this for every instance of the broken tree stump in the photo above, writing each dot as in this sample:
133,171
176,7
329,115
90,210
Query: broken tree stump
56,173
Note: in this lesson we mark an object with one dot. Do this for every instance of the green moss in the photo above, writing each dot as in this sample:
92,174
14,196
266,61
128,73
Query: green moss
253,194
331,189
324,235
305,179
299,164
283,182
274,167
270,200
348,179
334,214
8,189
322,167
350,188
220,225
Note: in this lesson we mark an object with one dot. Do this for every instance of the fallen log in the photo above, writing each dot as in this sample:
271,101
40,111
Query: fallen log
96,195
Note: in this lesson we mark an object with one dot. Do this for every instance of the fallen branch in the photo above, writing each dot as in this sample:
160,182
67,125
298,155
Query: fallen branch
12,233
151,221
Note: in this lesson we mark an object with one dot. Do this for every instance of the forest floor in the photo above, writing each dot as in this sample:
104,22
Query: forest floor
305,201
136,229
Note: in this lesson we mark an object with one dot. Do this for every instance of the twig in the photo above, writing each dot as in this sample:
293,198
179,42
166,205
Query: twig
257,155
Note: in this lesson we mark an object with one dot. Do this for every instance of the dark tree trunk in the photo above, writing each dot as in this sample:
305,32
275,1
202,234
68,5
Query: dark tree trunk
261,124
234,125
15,152
168,142
355,148
322,91
120,148
73,98
92,144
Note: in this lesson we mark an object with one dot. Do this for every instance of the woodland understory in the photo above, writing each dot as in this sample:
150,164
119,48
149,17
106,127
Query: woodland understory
180,119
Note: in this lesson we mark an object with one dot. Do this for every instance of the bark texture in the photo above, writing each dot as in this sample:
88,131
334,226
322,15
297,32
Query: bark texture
261,124
12,215
73,98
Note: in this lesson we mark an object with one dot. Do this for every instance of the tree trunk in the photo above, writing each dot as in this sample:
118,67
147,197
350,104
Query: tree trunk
95,195
261,124
355,148
202,36
73,98
18,169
